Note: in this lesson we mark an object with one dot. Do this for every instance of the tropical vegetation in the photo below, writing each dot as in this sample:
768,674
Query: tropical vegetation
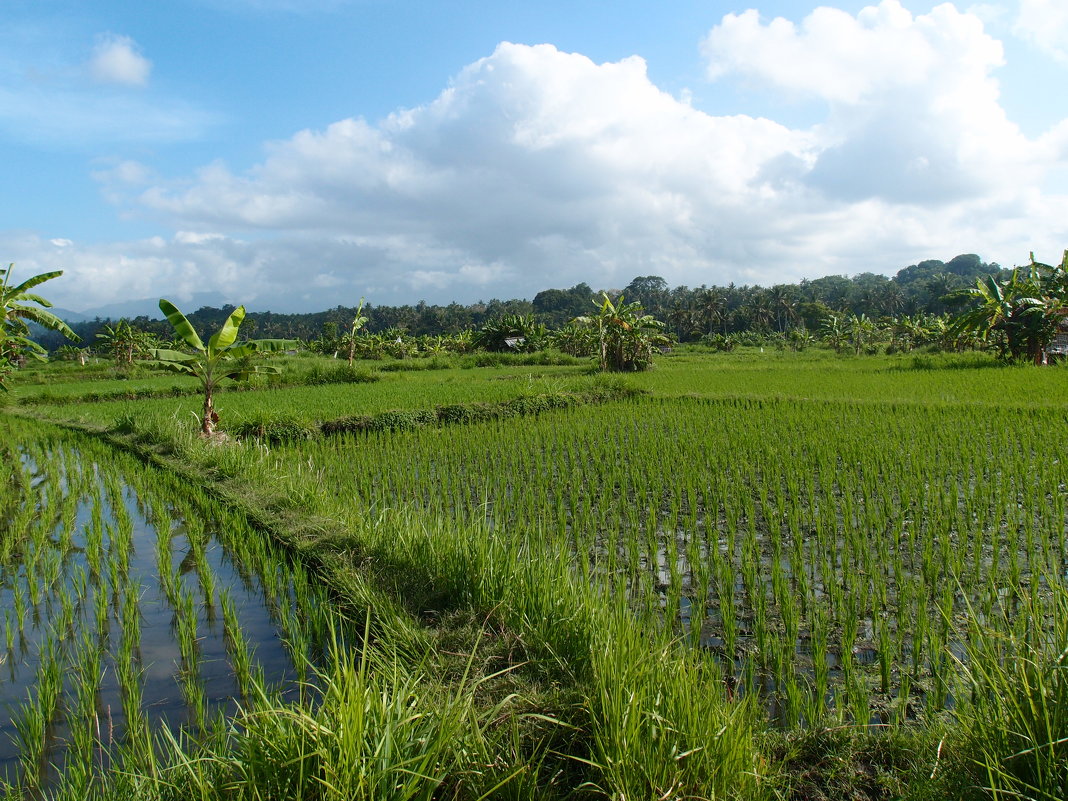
626,336
799,561
18,308
222,358
1020,313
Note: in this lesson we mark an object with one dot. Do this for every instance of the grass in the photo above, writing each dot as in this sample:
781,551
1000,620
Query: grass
844,539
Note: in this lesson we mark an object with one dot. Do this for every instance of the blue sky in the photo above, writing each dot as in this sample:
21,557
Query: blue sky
297,155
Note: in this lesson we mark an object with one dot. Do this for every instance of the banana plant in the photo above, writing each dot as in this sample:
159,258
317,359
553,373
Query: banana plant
223,357
16,312
358,322
1018,309
125,342
626,335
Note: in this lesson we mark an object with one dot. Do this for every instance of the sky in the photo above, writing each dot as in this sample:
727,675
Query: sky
296,155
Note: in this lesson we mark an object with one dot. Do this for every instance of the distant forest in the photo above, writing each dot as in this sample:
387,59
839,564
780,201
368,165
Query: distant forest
690,313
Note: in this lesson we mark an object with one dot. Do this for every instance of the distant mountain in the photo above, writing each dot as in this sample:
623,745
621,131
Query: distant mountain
68,316
146,307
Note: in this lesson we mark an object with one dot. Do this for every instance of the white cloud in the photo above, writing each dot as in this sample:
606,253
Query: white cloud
116,59
532,161
914,107
538,168
51,97
1045,24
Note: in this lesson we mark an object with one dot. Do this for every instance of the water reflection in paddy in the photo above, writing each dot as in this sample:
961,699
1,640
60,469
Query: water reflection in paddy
127,603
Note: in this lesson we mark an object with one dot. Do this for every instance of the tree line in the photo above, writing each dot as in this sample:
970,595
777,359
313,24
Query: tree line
690,313
1021,313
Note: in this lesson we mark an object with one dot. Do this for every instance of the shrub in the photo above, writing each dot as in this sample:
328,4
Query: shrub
273,429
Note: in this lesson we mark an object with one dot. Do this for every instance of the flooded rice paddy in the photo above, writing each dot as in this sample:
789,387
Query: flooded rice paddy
127,605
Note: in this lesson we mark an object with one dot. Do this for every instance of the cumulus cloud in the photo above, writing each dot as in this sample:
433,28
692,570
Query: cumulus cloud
1045,24
51,96
533,164
914,112
116,59
538,168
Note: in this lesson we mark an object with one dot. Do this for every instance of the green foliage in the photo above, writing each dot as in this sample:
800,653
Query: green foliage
1014,699
511,332
1020,312
465,413
321,374
273,428
349,340
684,572
626,336
221,358
125,343
19,307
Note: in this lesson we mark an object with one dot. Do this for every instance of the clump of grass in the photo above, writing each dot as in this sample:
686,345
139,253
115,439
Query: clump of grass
382,729
273,428
525,405
1014,701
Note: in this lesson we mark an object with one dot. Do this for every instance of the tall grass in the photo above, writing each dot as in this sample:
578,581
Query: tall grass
1014,700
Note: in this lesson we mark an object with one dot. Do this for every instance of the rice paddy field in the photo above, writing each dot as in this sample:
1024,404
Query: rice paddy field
750,575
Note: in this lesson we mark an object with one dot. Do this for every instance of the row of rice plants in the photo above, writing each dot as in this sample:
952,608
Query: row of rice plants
310,403
111,582
408,729
830,552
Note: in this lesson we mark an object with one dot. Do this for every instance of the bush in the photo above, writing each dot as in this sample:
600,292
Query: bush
273,429
338,374
395,420
463,413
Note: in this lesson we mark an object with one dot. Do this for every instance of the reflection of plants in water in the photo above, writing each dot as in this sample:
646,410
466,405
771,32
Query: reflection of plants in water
237,646
79,578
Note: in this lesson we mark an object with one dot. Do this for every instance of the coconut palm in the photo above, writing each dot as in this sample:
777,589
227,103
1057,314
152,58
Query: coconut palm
711,308
221,358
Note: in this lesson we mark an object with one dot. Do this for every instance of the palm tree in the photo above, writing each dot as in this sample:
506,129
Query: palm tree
711,305
760,310
18,308
941,287
681,317
221,358
784,304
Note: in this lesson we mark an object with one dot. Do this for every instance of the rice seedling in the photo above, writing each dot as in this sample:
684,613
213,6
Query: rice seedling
89,588
796,518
